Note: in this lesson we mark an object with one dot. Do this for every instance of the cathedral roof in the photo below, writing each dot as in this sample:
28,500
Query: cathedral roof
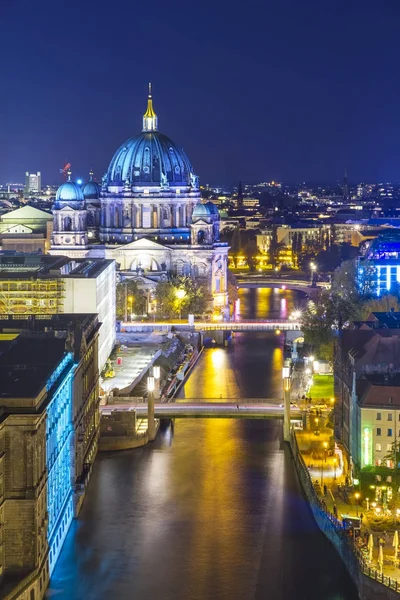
69,192
201,210
91,190
150,158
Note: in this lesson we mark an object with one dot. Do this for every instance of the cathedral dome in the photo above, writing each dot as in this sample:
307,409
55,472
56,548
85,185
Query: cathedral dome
91,190
201,211
212,208
69,192
150,158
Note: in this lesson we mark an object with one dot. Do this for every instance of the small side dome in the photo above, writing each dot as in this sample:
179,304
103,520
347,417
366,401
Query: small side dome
91,190
69,192
212,208
201,211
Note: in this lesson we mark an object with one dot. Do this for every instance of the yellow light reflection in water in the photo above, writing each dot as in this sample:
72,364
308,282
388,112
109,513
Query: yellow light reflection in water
216,499
214,378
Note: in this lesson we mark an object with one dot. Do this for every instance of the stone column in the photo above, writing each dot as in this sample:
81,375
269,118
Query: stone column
139,216
184,222
133,216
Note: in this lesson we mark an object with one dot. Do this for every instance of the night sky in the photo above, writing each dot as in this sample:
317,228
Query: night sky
255,90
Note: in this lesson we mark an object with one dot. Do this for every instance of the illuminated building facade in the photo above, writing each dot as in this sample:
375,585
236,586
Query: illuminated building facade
46,285
33,182
367,383
379,269
49,429
147,215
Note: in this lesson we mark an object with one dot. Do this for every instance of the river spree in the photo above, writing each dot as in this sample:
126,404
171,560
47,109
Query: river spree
212,509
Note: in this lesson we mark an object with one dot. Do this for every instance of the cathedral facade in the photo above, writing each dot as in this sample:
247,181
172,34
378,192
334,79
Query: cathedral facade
147,215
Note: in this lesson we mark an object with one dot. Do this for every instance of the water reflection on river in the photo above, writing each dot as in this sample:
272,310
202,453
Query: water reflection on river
212,509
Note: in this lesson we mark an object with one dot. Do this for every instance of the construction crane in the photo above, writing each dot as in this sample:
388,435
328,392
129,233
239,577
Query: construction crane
65,169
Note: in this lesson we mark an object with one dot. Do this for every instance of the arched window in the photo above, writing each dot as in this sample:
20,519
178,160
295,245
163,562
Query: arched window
67,224
201,237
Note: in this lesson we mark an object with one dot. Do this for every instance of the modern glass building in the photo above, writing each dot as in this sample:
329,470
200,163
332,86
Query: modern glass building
379,270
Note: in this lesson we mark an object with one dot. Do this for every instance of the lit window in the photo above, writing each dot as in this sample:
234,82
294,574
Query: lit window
146,191
378,447
389,447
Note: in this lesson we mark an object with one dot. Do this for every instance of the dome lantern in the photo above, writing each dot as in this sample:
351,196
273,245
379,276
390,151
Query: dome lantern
150,119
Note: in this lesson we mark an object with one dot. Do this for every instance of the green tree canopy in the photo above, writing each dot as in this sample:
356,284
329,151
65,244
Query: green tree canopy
182,295
129,299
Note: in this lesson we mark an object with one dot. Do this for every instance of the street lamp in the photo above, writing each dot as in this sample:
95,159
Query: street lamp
357,497
150,408
325,444
313,268
286,402
130,300
180,294
157,374
296,315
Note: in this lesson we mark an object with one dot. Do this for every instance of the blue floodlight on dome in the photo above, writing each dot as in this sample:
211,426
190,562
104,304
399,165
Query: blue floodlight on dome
150,159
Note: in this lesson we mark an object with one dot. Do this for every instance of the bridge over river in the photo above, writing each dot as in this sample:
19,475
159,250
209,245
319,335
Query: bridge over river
227,408
239,326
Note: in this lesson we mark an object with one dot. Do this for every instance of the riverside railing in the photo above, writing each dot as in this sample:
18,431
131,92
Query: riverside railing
334,530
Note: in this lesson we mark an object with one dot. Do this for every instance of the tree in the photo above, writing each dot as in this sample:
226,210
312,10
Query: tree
317,325
235,246
274,247
232,290
385,303
130,299
294,248
250,252
172,303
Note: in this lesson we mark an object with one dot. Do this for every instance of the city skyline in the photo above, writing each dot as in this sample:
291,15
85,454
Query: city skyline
292,95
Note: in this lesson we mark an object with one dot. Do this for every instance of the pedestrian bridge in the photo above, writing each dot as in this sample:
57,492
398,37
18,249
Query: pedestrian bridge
243,408
246,325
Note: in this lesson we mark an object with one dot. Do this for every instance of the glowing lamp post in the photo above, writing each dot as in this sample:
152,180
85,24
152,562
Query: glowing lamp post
286,402
130,304
325,444
313,269
151,426
180,294
156,375
357,497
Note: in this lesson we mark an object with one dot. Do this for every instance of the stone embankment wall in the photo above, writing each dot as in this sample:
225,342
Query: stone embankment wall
371,585
118,432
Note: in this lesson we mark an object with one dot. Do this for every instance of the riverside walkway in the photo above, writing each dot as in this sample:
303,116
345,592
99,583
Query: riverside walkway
243,408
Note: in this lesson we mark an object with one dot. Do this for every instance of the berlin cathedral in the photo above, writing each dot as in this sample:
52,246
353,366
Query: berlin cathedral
147,215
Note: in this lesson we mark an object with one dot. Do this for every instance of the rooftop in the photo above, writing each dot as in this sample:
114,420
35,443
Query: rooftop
27,363
379,391
20,265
